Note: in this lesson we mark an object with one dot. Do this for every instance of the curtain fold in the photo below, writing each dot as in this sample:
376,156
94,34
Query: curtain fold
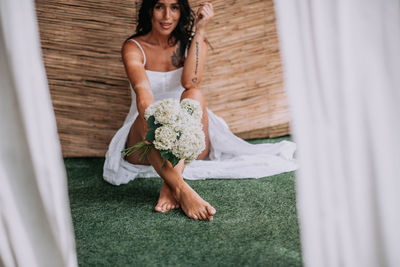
341,61
35,220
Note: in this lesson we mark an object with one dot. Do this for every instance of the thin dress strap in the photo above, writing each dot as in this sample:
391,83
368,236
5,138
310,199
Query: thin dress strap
141,49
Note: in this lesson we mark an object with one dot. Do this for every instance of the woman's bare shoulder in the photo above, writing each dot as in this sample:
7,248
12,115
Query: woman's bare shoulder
131,51
129,44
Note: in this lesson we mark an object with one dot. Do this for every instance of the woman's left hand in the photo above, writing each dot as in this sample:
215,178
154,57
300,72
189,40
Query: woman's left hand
204,15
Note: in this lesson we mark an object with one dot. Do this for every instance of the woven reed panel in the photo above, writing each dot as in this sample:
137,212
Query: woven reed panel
81,42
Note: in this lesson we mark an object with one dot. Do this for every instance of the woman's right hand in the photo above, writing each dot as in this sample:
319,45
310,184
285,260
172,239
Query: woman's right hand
144,130
204,15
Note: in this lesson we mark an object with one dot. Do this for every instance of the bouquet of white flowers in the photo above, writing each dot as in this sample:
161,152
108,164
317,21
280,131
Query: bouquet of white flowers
175,131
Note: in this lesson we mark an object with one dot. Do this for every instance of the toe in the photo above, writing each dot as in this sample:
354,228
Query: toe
157,208
168,207
164,207
211,210
203,215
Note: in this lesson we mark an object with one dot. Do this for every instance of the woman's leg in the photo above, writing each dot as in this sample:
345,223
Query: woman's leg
193,198
179,191
197,94
191,203
166,200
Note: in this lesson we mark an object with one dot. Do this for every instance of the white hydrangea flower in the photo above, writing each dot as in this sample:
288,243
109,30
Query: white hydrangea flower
149,111
181,131
192,107
190,144
183,121
166,111
186,122
165,137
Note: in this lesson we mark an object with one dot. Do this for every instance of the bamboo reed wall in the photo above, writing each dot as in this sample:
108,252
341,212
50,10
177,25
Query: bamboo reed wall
81,42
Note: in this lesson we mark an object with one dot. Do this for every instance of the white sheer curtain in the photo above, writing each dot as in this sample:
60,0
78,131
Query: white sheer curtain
342,75
35,221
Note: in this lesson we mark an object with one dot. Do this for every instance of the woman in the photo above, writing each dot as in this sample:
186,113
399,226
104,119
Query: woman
165,59
163,52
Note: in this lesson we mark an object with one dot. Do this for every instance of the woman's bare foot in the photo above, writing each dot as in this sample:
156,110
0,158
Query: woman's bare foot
192,204
166,201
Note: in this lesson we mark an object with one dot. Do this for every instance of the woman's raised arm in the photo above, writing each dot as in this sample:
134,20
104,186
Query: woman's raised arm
133,62
194,62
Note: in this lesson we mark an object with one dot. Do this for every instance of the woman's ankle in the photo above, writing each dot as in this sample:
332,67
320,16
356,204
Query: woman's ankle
178,188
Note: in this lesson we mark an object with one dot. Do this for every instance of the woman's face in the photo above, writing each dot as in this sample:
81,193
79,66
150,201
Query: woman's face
166,14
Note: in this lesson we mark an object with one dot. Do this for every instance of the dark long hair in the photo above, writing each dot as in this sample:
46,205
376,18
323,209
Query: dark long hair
183,31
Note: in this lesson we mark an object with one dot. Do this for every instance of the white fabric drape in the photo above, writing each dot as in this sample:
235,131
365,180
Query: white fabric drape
341,63
35,221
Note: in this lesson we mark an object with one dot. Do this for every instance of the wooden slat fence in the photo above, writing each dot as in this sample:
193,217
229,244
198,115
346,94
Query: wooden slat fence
81,42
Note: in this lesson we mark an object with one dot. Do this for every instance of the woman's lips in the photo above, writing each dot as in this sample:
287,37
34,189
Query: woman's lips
165,26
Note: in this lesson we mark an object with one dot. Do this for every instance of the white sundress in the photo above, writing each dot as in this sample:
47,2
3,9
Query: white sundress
230,157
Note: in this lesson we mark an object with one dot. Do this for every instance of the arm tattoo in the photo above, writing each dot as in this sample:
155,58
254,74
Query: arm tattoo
197,62
197,57
177,59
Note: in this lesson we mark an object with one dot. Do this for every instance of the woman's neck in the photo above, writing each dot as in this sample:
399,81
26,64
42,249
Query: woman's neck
158,39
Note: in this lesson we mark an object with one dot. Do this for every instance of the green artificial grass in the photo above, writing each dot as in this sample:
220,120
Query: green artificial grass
255,223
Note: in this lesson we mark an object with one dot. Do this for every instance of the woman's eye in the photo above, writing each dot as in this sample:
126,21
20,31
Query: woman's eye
175,8
158,7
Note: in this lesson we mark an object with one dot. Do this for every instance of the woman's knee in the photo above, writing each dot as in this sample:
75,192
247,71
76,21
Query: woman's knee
194,93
